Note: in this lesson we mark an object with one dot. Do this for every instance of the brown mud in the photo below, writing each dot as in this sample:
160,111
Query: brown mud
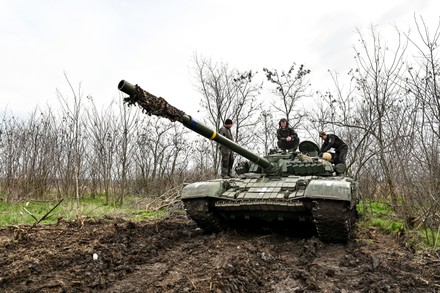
173,255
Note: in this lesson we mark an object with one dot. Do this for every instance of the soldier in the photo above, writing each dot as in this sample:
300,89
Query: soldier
287,137
227,154
333,141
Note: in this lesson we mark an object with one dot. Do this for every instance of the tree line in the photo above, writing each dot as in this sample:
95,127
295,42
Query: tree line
387,109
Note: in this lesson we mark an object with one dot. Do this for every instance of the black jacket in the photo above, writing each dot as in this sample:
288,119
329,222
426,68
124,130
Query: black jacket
332,141
282,133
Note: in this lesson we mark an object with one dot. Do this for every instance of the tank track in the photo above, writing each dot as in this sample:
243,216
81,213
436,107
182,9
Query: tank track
198,211
333,221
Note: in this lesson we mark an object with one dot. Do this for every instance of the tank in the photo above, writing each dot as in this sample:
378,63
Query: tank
295,190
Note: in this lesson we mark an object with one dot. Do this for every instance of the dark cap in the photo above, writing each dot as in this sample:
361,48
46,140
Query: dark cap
228,121
322,133
283,120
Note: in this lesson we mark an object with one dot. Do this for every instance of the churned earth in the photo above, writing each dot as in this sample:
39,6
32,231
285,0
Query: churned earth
173,255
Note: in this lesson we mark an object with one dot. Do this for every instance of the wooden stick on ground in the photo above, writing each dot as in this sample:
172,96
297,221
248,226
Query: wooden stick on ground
20,235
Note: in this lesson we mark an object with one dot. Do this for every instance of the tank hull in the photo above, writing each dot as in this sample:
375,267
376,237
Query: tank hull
326,204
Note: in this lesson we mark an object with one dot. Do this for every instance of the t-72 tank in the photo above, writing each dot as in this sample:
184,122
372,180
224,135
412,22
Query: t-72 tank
294,189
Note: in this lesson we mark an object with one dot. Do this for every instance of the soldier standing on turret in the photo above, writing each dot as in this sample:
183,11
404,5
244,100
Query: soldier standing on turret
227,154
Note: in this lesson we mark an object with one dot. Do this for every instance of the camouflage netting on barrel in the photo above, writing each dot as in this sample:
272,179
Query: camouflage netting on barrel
153,105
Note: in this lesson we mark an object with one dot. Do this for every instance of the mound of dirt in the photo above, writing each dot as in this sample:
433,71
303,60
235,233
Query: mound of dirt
173,255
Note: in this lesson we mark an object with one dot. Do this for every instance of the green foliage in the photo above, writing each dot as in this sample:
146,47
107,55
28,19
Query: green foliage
375,207
381,215
30,212
388,225
140,215
432,237
13,214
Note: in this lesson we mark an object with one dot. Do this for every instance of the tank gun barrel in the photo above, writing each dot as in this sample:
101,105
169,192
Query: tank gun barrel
158,106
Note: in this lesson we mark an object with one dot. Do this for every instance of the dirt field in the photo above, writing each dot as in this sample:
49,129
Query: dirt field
172,255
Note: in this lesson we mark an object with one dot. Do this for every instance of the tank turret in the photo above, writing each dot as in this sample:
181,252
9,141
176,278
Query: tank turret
296,188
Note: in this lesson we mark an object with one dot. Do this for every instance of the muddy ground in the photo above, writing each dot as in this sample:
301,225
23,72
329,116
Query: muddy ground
173,255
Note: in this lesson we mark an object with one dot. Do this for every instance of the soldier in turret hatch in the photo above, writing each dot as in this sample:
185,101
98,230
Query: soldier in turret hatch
227,154
287,137
333,141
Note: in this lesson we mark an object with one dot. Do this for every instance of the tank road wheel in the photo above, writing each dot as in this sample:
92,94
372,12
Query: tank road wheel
199,211
333,221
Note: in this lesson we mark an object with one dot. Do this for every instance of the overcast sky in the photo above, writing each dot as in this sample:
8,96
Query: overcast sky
99,42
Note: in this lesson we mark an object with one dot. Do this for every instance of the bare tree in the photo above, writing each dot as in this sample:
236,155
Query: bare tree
227,94
101,148
153,147
41,147
290,87
266,131
422,84
128,119
202,165
12,146
245,106
179,154
377,80
71,134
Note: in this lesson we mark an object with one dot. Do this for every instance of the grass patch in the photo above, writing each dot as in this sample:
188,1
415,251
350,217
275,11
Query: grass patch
29,212
432,237
380,215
